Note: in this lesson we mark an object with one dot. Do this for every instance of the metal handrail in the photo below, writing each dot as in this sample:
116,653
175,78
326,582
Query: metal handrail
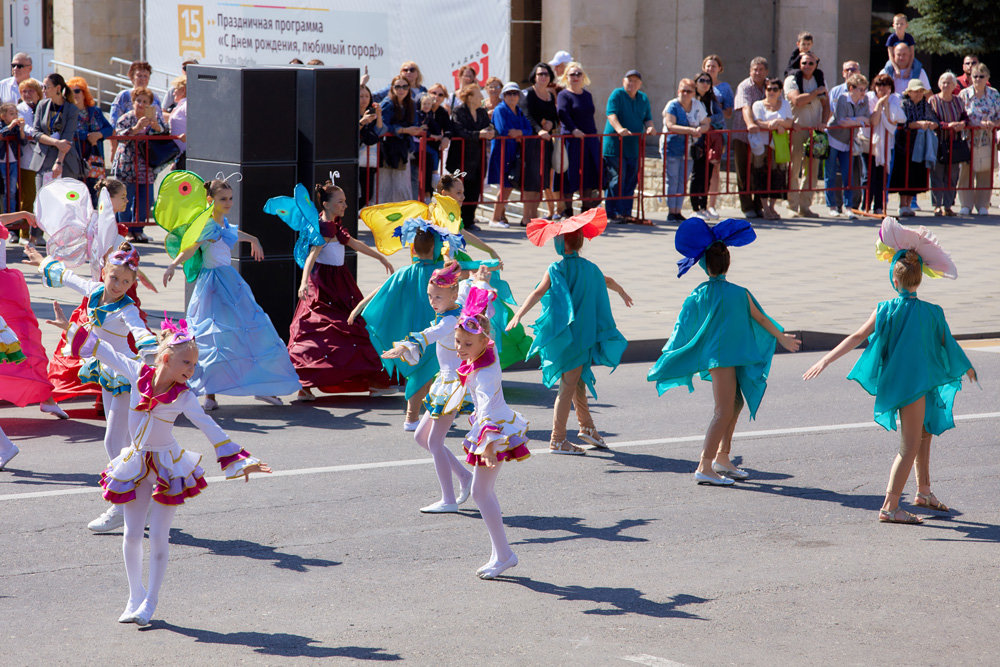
105,95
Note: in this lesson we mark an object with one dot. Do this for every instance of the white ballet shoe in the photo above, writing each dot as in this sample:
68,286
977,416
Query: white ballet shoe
497,569
270,400
210,404
128,616
702,478
143,614
410,426
487,566
440,507
8,455
735,473
464,492
53,409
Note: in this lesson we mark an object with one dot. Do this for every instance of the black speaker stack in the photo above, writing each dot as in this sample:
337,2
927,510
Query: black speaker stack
275,126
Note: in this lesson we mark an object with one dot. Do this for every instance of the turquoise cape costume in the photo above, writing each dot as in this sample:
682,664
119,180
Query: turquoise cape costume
911,353
714,328
400,306
576,326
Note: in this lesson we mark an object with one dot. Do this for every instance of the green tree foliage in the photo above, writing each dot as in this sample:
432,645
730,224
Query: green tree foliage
956,26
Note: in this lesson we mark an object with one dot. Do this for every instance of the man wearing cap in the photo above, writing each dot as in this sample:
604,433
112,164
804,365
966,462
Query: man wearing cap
559,62
628,113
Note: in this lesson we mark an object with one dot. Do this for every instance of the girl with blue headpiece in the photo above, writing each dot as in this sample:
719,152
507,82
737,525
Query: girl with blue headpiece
723,334
240,352
400,306
328,353
576,329
912,364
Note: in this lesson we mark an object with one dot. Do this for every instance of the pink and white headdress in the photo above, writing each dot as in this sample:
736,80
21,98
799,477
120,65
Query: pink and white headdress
447,276
128,258
179,330
894,238
476,304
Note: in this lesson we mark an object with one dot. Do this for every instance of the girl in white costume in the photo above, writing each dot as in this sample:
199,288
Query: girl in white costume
155,466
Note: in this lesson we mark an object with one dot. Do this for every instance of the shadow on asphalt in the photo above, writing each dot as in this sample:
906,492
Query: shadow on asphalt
575,527
44,478
248,549
974,531
622,600
45,426
276,643
254,417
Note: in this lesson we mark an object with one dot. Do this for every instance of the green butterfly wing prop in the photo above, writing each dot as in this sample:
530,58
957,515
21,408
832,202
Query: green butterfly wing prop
181,210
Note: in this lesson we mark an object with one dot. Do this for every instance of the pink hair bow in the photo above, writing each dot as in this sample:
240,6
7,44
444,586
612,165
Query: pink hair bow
476,303
447,276
180,331
125,257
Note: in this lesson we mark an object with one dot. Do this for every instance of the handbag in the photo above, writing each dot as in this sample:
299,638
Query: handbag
817,145
161,151
698,149
560,156
782,147
95,167
953,149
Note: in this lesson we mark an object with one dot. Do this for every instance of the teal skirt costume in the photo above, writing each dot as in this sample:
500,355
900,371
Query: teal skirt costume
715,330
576,327
906,359
399,307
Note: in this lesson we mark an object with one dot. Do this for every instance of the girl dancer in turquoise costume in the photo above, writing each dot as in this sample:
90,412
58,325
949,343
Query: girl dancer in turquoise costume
722,334
576,329
442,293
912,364
498,433
400,306
240,351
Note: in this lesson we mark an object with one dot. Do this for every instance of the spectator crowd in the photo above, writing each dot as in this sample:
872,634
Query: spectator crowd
792,135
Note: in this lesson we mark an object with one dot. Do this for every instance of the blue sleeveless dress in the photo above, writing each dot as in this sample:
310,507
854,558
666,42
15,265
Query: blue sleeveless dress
715,330
911,353
239,351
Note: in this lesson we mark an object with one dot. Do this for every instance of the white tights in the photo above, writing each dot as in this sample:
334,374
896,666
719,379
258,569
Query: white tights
430,435
483,481
116,437
160,518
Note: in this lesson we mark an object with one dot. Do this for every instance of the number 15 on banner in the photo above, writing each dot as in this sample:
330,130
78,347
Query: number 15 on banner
191,31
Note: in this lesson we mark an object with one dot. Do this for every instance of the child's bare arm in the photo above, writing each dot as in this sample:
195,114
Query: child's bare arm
361,306
787,341
530,302
614,286
843,348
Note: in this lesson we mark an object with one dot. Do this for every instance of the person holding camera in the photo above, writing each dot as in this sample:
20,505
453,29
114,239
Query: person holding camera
130,164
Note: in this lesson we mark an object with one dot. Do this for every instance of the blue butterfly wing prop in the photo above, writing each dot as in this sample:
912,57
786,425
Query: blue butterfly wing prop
298,213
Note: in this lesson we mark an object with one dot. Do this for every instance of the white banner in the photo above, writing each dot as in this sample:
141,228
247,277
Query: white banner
439,35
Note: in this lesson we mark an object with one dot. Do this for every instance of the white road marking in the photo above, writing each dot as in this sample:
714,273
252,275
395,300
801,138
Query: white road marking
797,430
652,660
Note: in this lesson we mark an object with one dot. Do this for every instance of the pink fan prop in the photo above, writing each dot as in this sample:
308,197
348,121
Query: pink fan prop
923,242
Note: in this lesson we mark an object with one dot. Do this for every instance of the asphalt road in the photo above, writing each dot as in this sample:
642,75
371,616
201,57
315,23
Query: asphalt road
623,559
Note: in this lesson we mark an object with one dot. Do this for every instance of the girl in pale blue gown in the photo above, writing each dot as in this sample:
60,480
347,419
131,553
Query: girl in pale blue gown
912,365
239,351
722,334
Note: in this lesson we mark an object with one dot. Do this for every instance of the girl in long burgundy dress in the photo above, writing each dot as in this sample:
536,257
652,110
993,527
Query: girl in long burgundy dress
328,353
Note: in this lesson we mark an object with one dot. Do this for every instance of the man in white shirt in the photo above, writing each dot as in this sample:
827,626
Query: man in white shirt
810,109
20,69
